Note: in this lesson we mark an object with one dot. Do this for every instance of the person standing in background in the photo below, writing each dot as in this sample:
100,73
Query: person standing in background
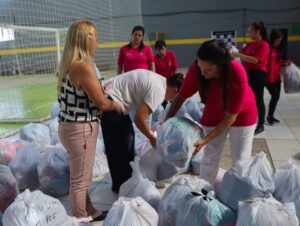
165,60
255,59
135,55
81,100
273,75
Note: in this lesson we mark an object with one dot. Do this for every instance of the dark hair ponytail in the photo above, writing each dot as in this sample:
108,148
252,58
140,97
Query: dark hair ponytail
137,28
215,52
275,34
263,30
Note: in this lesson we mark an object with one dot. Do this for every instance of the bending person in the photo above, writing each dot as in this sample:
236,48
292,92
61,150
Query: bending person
229,105
140,90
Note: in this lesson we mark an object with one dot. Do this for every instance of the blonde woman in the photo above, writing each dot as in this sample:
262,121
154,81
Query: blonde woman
81,99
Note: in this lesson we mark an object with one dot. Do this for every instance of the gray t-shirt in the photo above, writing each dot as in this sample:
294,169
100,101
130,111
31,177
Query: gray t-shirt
133,88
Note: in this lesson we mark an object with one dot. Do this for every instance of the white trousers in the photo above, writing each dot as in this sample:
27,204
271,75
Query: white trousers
241,139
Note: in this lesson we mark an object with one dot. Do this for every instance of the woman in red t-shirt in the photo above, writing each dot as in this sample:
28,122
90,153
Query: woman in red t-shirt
273,75
135,55
229,105
165,60
255,59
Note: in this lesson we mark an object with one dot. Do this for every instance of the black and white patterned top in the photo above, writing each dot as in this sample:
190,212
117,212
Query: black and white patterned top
75,106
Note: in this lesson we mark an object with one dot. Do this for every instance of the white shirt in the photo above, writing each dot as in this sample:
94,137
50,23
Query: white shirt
135,87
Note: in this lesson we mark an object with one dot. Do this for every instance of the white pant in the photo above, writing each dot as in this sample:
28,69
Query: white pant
241,146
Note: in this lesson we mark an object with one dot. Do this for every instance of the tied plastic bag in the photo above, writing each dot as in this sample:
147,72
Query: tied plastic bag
176,195
36,133
266,212
8,188
37,209
291,78
158,115
192,107
175,141
24,167
131,212
7,151
203,209
287,184
137,185
252,176
54,173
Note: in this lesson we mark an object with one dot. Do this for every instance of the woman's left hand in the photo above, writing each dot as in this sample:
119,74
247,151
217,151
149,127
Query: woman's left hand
198,145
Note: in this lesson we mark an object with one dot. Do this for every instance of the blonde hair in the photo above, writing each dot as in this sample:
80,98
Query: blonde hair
76,47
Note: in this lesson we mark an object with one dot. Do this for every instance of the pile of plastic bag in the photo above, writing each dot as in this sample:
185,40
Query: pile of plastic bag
252,176
8,188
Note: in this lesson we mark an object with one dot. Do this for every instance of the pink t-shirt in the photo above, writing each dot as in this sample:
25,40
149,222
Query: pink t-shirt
134,59
274,67
166,66
241,100
259,50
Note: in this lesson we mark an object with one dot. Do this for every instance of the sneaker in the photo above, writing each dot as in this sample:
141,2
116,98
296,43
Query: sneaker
259,129
101,217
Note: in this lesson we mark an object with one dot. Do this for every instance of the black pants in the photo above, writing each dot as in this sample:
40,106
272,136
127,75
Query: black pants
118,136
257,81
274,90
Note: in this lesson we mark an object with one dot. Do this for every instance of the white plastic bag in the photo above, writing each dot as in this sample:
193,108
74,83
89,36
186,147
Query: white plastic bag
36,209
196,162
175,141
287,184
137,185
252,176
8,188
54,172
266,212
55,110
36,133
176,195
291,78
131,212
7,151
24,166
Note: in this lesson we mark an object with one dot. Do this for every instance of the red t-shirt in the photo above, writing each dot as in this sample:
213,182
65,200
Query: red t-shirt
241,100
274,67
259,50
134,59
166,66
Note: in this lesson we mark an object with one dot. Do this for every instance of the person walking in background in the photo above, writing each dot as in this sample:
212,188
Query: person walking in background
229,105
273,75
165,60
255,59
81,98
141,90
135,55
